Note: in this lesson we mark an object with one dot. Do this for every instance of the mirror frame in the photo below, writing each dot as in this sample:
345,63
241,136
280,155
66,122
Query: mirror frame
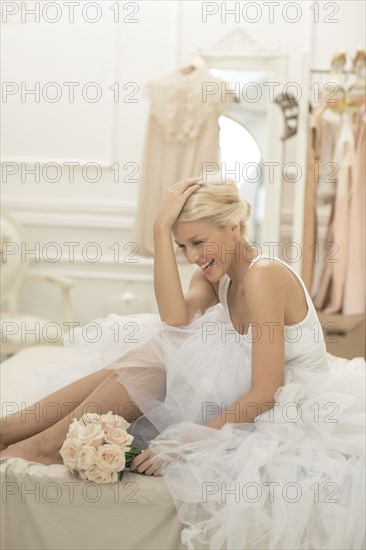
239,51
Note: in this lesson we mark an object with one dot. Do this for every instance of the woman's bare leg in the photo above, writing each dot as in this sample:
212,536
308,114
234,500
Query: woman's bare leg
44,447
49,410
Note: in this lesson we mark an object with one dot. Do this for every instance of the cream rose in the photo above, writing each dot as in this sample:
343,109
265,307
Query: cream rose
111,420
118,436
87,457
74,429
100,475
89,418
111,458
69,452
92,434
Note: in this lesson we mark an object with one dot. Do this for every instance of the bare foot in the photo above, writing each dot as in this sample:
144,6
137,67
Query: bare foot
4,433
34,450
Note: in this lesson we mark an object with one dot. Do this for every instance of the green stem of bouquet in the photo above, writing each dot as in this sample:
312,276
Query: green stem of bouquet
130,455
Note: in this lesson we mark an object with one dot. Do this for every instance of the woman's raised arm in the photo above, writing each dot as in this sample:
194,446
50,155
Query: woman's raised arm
167,285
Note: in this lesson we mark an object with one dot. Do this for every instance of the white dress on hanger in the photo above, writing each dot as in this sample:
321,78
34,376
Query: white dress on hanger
294,478
182,135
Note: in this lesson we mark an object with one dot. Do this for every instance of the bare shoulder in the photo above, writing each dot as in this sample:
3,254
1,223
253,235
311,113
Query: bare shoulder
265,277
265,268
270,285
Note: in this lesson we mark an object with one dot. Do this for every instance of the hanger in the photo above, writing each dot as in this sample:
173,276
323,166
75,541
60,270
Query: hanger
358,89
347,100
186,69
337,77
194,63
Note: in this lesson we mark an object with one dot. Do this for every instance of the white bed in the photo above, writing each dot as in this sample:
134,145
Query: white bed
47,507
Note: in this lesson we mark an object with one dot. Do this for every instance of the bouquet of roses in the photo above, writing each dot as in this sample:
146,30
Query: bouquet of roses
98,447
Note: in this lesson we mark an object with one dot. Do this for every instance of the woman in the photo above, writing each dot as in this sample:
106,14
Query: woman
231,388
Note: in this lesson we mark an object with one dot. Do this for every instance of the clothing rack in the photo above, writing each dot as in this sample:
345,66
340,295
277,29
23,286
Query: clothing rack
354,101
344,71
338,62
351,86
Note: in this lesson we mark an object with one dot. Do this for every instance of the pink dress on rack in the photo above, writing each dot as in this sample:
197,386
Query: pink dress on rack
355,286
339,285
294,478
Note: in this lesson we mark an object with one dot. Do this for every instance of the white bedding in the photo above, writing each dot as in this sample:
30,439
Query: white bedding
47,507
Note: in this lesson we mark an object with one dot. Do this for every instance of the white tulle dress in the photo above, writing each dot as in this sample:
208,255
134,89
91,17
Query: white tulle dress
293,479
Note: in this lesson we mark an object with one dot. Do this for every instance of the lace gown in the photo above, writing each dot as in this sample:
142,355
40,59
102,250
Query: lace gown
293,479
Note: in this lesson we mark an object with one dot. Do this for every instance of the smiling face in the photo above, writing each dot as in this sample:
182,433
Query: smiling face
208,246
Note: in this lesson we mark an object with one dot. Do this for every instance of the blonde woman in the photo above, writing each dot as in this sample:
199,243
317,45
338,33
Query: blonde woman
229,389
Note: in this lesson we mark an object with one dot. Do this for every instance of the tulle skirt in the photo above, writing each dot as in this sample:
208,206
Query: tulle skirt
172,374
293,479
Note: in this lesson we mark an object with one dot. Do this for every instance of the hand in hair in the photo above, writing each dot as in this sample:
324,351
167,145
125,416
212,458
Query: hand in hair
174,201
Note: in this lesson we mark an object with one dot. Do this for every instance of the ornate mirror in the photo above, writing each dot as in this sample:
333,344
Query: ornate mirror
251,148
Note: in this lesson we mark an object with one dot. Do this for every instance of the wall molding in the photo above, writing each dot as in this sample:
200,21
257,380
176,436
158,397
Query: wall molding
102,163
82,214
96,275
72,213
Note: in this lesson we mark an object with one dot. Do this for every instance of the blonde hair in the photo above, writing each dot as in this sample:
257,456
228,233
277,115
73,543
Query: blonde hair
217,201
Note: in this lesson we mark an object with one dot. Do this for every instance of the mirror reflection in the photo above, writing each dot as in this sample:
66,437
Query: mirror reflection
243,139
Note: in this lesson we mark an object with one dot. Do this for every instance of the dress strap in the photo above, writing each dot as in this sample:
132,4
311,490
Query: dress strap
273,258
256,259
223,287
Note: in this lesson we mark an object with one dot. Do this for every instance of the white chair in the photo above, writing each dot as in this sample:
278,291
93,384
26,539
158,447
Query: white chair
19,329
